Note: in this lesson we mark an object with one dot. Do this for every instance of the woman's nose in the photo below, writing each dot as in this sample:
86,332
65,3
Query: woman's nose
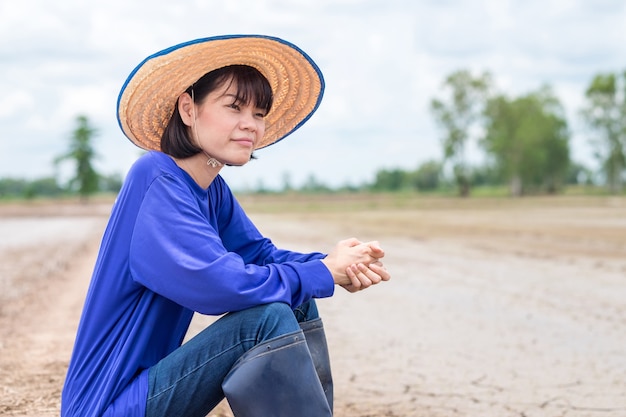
248,121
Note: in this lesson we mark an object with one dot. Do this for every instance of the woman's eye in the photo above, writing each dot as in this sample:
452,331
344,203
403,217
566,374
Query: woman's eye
234,106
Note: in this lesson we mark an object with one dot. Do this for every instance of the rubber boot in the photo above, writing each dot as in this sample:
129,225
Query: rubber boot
276,378
316,340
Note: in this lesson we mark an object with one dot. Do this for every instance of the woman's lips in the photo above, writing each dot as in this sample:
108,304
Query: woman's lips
244,142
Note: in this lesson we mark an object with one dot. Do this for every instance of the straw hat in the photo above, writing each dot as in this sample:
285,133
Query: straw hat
147,98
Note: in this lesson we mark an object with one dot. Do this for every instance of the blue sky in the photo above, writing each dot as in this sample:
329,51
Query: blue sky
383,62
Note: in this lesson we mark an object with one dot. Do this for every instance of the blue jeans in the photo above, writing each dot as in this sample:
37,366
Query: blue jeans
188,382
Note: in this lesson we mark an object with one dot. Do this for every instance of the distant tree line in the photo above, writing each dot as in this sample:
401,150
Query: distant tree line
525,141
430,176
50,187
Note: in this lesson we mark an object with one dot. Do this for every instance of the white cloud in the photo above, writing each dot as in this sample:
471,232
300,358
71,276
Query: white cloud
14,103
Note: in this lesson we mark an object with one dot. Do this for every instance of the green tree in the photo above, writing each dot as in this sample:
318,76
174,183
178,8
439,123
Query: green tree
82,152
577,173
458,114
605,112
390,180
11,187
486,174
427,176
110,183
287,187
47,187
312,185
528,139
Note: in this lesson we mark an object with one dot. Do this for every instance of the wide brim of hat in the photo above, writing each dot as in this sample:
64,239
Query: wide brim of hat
147,98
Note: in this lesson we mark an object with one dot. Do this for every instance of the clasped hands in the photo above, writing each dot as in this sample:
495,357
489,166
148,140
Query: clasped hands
356,265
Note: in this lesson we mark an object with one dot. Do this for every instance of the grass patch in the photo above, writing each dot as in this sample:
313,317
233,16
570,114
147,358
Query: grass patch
329,203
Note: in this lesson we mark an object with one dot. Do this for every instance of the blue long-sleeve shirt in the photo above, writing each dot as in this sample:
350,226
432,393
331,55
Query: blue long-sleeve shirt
171,248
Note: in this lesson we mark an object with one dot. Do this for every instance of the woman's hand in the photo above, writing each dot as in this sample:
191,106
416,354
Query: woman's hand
355,265
363,276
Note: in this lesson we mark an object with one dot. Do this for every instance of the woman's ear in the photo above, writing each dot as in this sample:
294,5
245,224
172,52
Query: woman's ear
186,109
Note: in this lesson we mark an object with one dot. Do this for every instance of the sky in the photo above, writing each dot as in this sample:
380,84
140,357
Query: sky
383,62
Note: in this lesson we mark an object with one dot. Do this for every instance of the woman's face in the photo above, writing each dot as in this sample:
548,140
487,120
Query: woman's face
226,128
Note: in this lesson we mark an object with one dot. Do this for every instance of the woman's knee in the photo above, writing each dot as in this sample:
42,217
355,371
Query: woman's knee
275,319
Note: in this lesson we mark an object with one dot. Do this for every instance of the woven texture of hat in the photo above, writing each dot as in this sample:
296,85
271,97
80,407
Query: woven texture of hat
149,98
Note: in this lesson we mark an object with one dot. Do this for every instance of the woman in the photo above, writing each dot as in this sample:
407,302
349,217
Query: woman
177,242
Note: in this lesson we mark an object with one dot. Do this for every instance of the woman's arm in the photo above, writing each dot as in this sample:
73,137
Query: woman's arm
240,235
178,253
353,264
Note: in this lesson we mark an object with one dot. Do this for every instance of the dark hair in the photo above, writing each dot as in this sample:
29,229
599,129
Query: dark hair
251,85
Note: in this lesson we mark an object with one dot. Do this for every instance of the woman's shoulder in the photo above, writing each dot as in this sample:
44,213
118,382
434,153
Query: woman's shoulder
151,167
153,159
151,164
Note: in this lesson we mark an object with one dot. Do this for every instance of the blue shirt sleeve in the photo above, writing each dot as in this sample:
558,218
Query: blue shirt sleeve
240,235
177,252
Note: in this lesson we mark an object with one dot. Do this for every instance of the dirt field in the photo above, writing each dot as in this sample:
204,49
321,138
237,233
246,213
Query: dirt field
495,308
